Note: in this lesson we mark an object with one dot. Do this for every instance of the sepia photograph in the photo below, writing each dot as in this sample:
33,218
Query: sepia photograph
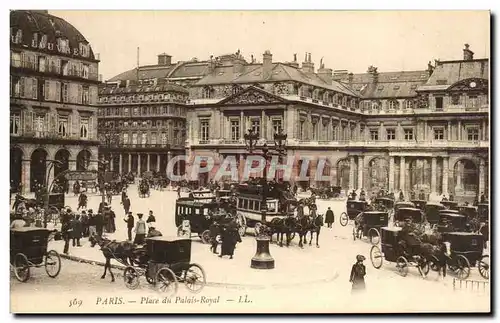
333,162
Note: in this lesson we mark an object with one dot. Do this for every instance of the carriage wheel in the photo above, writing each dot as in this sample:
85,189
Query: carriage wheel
205,237
131,277
402,266
242,222
463,267
343,219
423,266
52,263
194,278
484,266
167,281
257,228
21,267
376,257
374,236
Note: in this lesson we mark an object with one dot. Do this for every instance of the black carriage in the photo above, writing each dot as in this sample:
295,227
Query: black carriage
412,213
466,251
353,209
370,224
165,262
432,212
28,248
403,204
144,189
450,221
393,252
469,211
419,204
451,205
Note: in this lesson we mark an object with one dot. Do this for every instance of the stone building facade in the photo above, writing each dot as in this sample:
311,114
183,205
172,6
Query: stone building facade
53,96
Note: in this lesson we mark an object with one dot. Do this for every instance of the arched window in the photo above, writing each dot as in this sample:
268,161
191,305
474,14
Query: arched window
375,106
408,104
393,105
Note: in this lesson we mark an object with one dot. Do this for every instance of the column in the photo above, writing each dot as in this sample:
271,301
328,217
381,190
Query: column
361,168
129,163
139,165
169,157
352,165
449,130
459,175
391,174
482,173
242,125
50,173
484,131
149,162
459,130
445,175
120,164
263,128
402,173
433,175
25,175
425,131
111,167
158,159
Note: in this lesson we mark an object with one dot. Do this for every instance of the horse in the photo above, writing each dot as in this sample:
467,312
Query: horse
302,226
437,255
120,250
282,227
315,227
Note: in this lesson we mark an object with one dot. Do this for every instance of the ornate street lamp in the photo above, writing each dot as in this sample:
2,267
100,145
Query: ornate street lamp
263,258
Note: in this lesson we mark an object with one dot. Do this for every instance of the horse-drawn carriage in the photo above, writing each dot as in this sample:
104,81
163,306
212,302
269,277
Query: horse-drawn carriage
165,262
412,213
144,189
450,205
385,203
326,193
466,251
468,211
483,211
369,225
393,252
431,211
419,204
353,208
28,248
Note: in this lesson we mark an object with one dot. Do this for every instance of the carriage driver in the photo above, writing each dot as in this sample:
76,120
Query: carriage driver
359,223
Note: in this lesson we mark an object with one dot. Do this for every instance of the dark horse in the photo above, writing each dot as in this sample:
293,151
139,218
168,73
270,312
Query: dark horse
122,251
315,227
436,255
282,227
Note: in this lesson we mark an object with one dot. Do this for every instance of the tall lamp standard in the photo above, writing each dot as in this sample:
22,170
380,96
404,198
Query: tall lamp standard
263,258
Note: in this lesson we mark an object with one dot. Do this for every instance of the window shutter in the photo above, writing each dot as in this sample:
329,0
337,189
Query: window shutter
71,130
80,93
53,122
22,81
91,128
28,120
34,88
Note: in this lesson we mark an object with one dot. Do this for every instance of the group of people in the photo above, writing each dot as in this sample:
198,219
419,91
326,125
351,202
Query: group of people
229,236
141,228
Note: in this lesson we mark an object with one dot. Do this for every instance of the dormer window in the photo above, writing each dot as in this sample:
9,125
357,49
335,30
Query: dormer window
63,45
375,106
393,104
34,41
18,37
43,42
84,49
409,104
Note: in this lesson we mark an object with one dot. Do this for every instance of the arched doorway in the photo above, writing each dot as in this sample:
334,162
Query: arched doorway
83,160
38,169
466,178
378,175
419,172
61,156
343,168
16,159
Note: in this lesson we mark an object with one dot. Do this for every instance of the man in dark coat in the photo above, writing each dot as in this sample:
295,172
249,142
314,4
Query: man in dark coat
85,224
213,232
151,220
130,225
329,217
82,201
66,231
99,224
230,237
358,273
76,234
92,224
109,220
126,205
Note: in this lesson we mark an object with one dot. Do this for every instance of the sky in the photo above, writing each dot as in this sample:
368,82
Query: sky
346,40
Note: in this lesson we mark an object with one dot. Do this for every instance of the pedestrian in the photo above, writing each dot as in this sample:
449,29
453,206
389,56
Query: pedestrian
213,232
99,224
126,205
109,219
66,231
230,237
85,224
76,234
358,273
329,217
92,224
82,201
140,230
130,225
151,221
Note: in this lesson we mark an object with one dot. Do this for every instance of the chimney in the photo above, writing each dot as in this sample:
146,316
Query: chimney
340,75
307,65
294,63
267,64
372,70
325,73
238,63
350,77
468,54
164,59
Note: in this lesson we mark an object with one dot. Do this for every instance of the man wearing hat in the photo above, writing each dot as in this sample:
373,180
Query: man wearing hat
358,273
151,221
140,230
153,232
130,225
329,217
92,223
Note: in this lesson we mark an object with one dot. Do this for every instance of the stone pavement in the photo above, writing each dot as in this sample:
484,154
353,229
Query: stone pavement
293,266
